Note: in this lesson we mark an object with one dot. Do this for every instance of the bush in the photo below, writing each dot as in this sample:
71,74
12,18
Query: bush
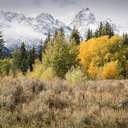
38,69
110,71
74,76
48,74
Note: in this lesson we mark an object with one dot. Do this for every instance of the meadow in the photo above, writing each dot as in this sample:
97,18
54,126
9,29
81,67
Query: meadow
32,103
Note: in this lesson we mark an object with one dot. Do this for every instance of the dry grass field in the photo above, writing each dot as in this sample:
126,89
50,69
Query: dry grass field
32,103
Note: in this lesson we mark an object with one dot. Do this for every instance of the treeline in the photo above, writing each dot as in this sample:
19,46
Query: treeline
103,29
102,55
22,59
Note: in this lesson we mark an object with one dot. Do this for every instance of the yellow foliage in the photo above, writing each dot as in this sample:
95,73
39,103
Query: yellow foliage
37,71
94,53
110,70
93,71
75,76
48,74
40,72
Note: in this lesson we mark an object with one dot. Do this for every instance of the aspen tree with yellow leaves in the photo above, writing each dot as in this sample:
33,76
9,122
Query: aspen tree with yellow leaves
102,57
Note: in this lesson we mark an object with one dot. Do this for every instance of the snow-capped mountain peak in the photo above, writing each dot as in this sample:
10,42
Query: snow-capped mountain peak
12,16
17,26
83,20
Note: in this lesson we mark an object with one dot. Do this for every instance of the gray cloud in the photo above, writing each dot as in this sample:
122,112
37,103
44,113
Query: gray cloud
65,9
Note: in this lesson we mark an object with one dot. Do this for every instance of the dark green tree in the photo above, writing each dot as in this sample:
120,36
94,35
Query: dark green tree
40,52
108,29
125,39
101,29
104,29
2,43
55,34
61,30
31,58
75,36
23,59
46,42
20,59
33,55
42,47
89,34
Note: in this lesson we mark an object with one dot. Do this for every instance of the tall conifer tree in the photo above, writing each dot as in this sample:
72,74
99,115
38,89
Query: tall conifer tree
2,43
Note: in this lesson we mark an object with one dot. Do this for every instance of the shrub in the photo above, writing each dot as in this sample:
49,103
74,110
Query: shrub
38,69
110,70
74,76
48,74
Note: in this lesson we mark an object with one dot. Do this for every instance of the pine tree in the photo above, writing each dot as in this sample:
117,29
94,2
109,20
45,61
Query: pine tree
104,29
33,55
20,59
46,42
15,61
31,58
1,45
101,29
40,52
42,47
23,59
109,30
96,33
55,34
61,30
125,39
75,36
89,34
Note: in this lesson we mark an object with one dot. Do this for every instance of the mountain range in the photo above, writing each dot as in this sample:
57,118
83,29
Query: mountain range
17,27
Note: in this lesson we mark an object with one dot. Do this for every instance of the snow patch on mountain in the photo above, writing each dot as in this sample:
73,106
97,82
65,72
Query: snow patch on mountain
18,27
84,20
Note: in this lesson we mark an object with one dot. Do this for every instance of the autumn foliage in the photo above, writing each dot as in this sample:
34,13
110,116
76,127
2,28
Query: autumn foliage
102,57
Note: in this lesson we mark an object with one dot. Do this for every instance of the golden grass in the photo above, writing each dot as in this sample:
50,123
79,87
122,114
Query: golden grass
32,103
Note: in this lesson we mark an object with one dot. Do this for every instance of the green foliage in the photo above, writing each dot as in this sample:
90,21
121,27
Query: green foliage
89,34
104,29
48,74
5,67
23,65
46,42
125,39
40,51
20,59
75,36
31,58
60,55
75,75
1,45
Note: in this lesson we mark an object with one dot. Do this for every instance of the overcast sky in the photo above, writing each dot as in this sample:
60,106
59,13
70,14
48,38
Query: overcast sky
65,9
